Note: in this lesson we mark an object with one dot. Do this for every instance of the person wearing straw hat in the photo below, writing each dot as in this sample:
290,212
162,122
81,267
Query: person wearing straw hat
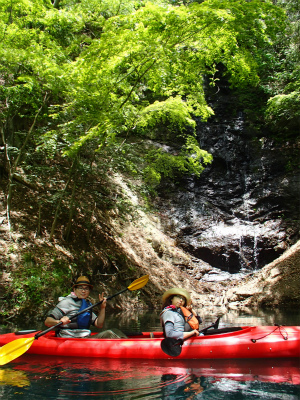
178,319
68,306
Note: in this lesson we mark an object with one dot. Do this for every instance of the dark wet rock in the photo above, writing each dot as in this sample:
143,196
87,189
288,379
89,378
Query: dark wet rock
243,212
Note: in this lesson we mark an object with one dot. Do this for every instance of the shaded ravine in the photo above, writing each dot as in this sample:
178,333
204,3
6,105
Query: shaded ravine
207,235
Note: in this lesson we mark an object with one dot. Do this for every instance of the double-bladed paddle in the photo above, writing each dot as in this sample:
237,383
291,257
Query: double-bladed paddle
172,347
17,347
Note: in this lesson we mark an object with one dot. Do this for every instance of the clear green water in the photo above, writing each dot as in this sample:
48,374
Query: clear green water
35,377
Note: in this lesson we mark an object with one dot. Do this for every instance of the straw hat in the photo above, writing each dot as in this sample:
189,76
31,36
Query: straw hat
174,291
83,280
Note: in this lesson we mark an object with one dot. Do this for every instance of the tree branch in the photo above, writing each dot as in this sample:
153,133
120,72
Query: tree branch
136,83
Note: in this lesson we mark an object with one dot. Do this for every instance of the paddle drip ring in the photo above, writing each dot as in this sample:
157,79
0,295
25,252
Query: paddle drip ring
285,337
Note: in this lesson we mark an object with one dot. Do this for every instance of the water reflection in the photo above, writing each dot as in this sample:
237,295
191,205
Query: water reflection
70,378
11,377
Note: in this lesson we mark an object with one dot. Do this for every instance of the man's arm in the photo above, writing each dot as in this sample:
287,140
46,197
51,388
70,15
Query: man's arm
50,321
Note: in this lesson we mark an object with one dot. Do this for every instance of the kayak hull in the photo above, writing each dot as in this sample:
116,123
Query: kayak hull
248,342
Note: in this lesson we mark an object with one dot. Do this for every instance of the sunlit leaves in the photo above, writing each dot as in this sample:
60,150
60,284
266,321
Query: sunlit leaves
172,112
283,112
283,83
116,68
164,163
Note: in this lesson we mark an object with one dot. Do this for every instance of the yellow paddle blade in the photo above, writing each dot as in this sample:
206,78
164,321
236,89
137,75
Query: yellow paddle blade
14,349
139,283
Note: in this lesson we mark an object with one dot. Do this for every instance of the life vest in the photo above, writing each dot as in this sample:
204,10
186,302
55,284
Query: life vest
191,321
190,318
67,306
84,319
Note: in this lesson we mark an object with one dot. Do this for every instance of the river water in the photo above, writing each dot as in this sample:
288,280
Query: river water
64,378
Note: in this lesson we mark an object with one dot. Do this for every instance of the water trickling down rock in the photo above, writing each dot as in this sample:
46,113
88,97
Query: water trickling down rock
242,212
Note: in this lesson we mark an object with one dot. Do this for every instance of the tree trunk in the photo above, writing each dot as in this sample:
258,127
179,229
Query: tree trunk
90,223
12,166
71,212
10,178
38,229
56,3
62,193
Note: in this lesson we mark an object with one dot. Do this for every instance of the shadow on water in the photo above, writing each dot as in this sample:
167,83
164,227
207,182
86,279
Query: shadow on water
48,377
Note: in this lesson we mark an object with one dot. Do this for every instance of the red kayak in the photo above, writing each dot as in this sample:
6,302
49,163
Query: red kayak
237,342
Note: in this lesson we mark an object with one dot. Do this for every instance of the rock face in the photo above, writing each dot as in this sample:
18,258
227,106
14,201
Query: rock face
242,212
275,285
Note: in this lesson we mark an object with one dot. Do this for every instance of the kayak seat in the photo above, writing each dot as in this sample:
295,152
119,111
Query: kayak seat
221,330
145,335
112,333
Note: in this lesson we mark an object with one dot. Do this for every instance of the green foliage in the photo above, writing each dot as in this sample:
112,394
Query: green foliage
172,112
136,50
145,74
151,175
191,160
282,111
32,282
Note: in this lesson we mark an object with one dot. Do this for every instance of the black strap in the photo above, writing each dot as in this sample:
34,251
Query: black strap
285,337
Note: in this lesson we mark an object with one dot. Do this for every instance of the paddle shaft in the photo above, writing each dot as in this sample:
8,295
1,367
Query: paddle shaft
214,325
76,315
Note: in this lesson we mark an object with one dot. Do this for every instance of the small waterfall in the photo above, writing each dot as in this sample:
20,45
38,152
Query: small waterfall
234,219
255,253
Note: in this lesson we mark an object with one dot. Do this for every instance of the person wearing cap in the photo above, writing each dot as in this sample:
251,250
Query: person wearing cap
72,304
178,319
